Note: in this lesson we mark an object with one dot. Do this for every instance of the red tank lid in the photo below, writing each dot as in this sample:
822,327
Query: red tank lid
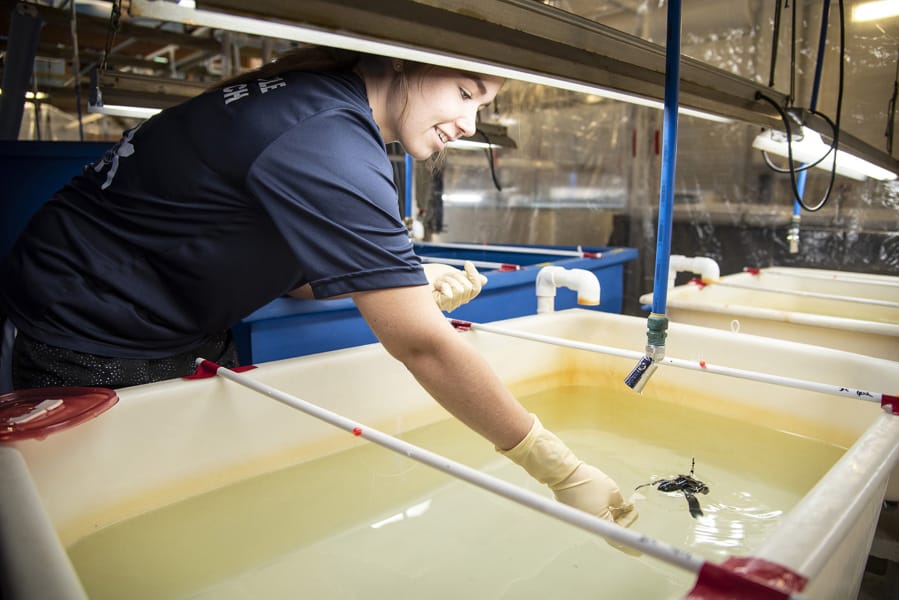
36,413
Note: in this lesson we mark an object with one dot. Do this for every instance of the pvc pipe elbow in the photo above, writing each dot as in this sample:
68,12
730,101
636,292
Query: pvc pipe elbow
585,283
705,267
582,281
546,283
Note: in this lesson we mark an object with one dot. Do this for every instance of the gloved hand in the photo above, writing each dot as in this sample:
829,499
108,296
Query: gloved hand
452,287
547,459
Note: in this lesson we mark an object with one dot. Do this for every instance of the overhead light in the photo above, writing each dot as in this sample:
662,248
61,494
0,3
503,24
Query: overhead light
136,96
30,95
120,110
96,105
808,147
874,11
169,11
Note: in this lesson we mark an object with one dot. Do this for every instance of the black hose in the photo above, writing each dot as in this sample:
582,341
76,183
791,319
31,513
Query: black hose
835,127
489,152
774,43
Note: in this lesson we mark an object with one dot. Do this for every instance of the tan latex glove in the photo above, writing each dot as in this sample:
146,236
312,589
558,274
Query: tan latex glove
547,459
453,287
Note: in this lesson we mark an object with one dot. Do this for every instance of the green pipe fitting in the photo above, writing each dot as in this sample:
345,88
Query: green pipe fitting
657,330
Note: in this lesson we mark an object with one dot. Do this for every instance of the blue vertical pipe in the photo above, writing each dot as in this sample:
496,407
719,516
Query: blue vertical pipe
800,189
407,188
657,323
669,158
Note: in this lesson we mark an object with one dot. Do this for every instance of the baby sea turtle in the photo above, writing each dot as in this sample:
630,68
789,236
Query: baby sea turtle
686,484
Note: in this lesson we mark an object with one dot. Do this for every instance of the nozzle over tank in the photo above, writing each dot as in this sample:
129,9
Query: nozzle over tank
656,332
793,234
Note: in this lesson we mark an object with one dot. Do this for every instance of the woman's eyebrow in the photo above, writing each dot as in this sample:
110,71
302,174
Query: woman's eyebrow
482,89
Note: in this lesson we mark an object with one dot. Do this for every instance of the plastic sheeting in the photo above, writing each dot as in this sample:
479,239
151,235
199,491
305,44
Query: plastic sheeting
586,170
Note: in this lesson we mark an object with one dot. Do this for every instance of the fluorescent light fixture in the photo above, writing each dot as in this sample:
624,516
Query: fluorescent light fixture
120,110
874,11
168,11
126,88
808,147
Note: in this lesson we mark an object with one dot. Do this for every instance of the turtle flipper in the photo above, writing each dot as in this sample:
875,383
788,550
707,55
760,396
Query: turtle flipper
693,503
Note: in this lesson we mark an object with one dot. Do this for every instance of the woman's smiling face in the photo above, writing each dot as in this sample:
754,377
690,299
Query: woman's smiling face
441,105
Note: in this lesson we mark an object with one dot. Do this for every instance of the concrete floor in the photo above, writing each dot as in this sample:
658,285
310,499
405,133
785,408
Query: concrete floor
881,581
881,578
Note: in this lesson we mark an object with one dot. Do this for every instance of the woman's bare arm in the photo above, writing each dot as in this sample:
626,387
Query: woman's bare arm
413,330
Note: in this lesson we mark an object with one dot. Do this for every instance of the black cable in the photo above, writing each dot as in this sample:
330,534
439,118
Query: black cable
775,38
489,152
807,166
838,118
792,169
115,15
891,109
792,97
835,125
37,103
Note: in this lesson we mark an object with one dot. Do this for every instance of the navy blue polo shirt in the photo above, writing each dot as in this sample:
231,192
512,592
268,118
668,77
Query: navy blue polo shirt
208,211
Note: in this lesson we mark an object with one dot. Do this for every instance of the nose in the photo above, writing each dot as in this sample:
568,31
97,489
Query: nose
466,123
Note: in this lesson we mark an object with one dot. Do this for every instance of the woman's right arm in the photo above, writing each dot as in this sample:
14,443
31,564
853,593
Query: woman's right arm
413,330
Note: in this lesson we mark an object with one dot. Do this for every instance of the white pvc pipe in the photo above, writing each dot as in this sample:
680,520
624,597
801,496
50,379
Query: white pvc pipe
806,294
481,264
611,531
703,266
519,249
886,400
582,281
